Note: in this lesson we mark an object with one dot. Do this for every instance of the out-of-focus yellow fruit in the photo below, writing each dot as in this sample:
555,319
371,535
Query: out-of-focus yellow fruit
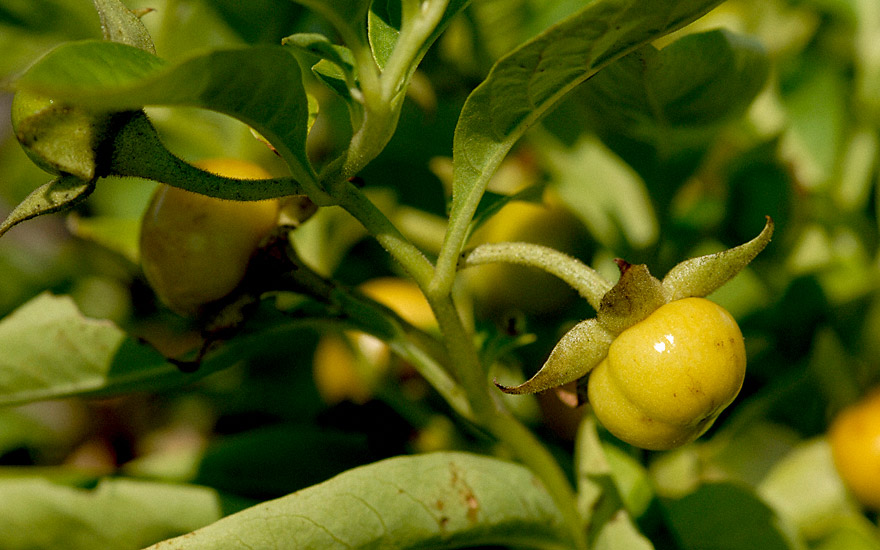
403,297
855,445
195,249
348,366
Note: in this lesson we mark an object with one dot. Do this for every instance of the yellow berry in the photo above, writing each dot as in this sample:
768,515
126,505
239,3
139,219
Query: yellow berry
668,377
195,249
349,366
855,445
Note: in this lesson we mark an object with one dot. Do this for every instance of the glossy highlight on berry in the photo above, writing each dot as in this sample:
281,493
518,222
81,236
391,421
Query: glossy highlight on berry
667,378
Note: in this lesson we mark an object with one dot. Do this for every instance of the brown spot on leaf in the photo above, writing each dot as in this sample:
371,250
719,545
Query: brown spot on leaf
467,494
473,507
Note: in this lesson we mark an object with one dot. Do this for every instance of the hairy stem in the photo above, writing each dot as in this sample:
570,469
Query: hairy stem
486,414
577,274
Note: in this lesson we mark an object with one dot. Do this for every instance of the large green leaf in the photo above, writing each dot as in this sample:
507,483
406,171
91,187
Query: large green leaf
726,516
48,349
439,500
117,514
680,92
525,84
51,350
261,86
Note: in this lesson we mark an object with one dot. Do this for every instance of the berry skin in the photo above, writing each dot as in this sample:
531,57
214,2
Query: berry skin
854,437
668,377
195,249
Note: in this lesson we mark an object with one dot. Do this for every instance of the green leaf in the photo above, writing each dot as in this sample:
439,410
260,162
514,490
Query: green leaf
620,532
118,514
383,31
121,235
525,84
261,86
384,28
814,137
438,500
679,92
631,479
816,507
120,24
319,47
606,193
599,496
59,194
51,350
725,516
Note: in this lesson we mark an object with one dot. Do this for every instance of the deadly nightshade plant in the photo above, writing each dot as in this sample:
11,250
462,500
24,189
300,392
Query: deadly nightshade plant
371,72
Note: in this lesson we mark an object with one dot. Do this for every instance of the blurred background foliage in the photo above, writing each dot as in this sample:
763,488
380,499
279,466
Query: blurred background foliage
780,119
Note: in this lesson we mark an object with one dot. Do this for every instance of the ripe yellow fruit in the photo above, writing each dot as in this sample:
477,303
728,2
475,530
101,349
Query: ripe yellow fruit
854,437
348,366
195,249
668,377
403,297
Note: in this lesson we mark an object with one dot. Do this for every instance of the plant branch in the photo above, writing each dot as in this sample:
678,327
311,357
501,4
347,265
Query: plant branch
417,26
524,444
401,249
577,274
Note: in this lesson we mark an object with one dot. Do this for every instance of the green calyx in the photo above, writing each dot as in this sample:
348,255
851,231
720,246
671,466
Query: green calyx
633,298
59,138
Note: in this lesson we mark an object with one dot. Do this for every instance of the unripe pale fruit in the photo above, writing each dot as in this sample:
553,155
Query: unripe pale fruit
58,138
668,377
854,437
195,249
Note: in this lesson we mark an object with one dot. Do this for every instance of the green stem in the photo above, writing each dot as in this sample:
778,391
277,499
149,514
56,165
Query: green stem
138,152
464,359
408,342
577,274
533,453
524,444
401,249
418,24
